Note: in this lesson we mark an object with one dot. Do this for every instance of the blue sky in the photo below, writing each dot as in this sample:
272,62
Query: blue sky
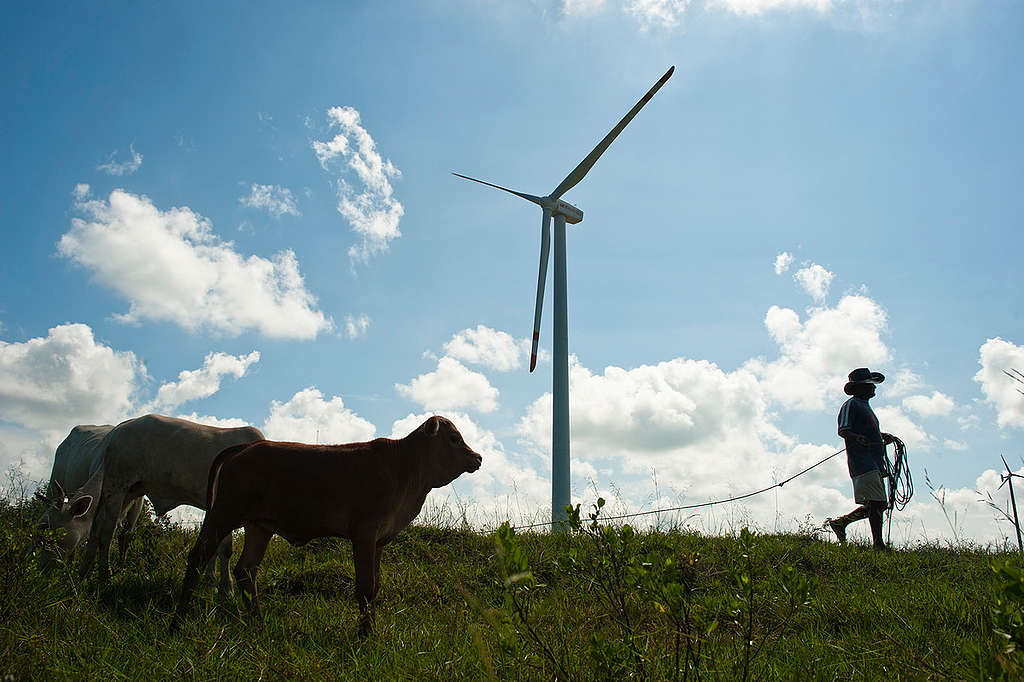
241,214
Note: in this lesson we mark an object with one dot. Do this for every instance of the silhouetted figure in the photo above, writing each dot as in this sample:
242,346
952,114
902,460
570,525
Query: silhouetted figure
865,455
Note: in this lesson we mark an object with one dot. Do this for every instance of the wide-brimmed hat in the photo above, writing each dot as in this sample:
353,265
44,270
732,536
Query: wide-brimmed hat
862,375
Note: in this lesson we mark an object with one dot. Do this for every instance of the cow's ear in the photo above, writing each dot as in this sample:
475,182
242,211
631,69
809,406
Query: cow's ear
81,505
433,426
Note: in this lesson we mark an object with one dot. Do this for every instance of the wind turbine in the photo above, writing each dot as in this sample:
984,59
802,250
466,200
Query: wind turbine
563,212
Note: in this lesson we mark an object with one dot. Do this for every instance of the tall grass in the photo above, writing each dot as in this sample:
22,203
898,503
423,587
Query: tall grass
602,602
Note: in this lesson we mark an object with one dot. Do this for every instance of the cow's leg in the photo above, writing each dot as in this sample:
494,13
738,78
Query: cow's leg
210,536
223,557
376,569
364,555
127,526
255,546
101,534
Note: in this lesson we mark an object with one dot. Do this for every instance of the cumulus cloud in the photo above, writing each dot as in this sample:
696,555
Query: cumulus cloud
50,384
356,326
816,355
65,378
659,13
998,356
782,262
936,405
210,420
754,7
489,347
274,199
635,416
112,167
451,387
581,7
172,267
309,418
903,382
815,280
203,382
370,207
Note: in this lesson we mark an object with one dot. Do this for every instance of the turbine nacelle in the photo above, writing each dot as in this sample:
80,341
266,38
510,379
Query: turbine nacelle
572,214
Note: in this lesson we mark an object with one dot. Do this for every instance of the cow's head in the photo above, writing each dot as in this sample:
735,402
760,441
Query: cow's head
446,453
71,518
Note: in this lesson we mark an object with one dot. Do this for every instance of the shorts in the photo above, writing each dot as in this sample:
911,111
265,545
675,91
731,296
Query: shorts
869,487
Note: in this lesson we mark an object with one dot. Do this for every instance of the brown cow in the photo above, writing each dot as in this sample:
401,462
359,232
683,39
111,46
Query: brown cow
366,492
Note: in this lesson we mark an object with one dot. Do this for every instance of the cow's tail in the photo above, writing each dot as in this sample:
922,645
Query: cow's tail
224,456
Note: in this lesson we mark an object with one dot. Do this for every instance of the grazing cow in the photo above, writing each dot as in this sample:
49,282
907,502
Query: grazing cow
366,492
76,460
166,459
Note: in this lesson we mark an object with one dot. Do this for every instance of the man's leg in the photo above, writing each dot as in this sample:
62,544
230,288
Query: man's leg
875,514
839,524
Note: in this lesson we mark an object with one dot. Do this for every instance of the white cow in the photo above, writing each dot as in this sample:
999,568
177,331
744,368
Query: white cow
77,458
164,458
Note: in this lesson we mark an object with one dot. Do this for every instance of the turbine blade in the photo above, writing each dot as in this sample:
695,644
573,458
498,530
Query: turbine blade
542,276
528,197
586,164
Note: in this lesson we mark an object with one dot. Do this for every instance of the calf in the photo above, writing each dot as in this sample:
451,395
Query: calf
366,492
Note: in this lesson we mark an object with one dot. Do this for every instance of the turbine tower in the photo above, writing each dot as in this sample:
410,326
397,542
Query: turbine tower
563,212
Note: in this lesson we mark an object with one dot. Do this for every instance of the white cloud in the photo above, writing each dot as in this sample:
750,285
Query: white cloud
172,267
782,262
754,7
51,383
112,167
891,419
356,326
998,356
936,405
309,418
957,445
371,209
81,191
635,415
903,382
489,347
204,382
661,13
209,420
451,387
276,200
815,280
816,355
581,7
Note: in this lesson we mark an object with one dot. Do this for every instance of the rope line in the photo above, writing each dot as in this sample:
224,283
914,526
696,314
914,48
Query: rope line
701,504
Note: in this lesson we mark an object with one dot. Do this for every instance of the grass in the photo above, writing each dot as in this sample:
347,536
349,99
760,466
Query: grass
447,610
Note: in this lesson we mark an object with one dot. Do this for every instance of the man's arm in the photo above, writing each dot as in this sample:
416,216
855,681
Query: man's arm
848,433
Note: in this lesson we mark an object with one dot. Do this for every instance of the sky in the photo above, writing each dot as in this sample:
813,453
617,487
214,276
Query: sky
244,214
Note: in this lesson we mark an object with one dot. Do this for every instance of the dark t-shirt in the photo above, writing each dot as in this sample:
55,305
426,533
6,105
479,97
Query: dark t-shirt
858,417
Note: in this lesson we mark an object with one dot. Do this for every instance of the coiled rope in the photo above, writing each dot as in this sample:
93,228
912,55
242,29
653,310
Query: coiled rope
901,484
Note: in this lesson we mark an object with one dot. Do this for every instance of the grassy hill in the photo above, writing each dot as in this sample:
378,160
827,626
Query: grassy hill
598,603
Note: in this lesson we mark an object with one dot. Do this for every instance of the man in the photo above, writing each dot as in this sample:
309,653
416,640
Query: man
865,455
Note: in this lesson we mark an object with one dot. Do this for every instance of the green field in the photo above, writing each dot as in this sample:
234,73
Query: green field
600,603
